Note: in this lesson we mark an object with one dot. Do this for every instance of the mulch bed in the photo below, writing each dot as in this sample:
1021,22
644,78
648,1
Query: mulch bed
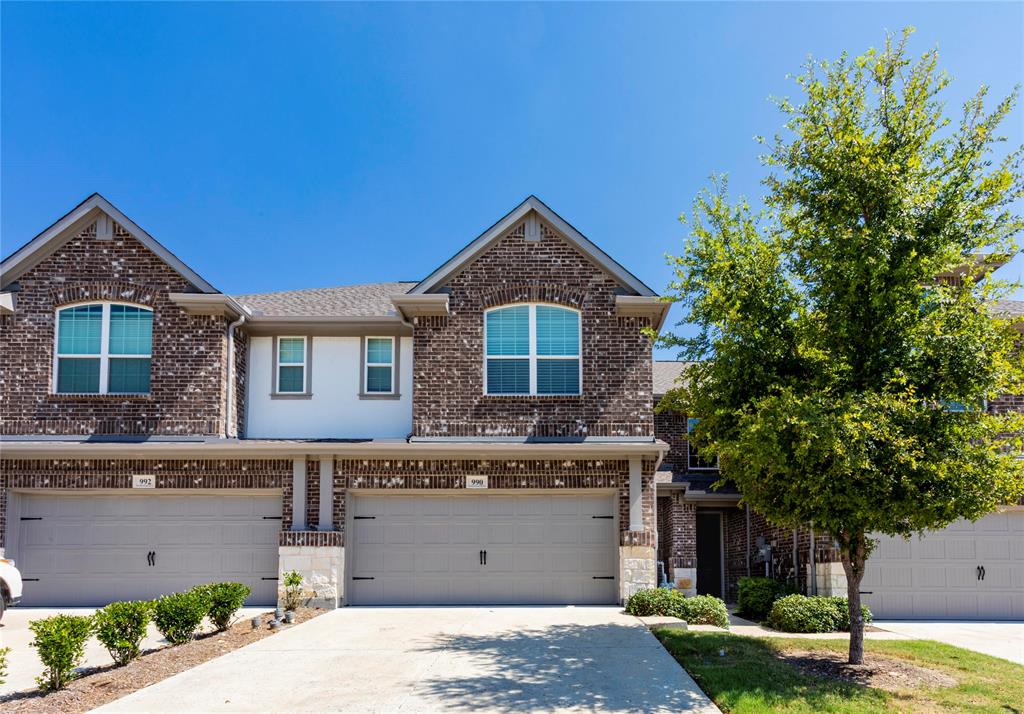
99,685
878,671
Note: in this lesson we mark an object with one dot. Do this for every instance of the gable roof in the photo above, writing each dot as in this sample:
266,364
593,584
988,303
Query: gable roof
51,239
482,242
368,300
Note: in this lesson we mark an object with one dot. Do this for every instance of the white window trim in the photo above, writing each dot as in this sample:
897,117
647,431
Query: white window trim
367,364
278,365
533,357
104,355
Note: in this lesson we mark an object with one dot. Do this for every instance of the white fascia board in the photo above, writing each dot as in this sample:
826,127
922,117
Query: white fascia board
481,243
23,258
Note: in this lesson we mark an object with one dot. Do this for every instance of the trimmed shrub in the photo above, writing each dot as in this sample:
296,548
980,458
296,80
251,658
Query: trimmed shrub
121,627
60,641
178,616
654,601
223,601
842,606
757,594
704,610
292,589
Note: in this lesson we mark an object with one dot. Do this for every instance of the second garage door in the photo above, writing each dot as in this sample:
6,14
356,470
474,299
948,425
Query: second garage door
971,571
482,549
91,549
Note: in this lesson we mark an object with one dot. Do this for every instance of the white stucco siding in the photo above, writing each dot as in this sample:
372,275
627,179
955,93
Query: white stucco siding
334,409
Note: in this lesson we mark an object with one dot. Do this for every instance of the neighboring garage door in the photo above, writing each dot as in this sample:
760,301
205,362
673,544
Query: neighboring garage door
92,549
972,571
483,549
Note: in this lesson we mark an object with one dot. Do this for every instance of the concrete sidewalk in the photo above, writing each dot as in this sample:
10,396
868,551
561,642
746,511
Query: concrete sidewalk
482,659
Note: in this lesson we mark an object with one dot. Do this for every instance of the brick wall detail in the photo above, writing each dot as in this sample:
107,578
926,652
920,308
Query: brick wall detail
188,364
616,358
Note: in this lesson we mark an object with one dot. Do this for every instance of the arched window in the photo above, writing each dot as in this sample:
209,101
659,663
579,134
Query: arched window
532,349
103,348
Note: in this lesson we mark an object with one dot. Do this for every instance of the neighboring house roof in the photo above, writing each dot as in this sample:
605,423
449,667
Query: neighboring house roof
1009,308
468,254
79,217
367,300
667,374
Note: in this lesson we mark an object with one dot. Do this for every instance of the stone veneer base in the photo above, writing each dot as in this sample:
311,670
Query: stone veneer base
638,570
322,569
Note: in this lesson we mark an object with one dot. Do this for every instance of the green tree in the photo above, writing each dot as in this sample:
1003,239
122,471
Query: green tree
831,362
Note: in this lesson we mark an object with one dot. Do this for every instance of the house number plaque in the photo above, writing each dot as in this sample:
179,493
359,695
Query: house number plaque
143,481
476,482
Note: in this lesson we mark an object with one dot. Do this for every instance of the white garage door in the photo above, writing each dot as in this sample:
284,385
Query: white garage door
483,549
966,571
92,549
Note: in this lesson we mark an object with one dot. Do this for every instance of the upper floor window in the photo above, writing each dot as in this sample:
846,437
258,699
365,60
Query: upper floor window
532,349
291,365
379,363
694,459
103,348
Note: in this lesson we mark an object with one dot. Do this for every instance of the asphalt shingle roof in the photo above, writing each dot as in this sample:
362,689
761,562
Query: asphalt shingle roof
367,300
1010,308
666,373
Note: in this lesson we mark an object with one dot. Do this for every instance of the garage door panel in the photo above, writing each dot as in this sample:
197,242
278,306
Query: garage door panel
907,579
93,549
540,548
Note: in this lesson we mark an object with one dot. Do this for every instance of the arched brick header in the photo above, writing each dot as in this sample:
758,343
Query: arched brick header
508,294
115,290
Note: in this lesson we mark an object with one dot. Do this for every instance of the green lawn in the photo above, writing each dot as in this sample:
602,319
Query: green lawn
751,679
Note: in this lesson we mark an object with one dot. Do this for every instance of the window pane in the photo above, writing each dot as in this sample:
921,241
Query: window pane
291,379
378,351
508,331
131,330
129,376
78,376
558,376
508,376
291,350
558,331
378,379
79,330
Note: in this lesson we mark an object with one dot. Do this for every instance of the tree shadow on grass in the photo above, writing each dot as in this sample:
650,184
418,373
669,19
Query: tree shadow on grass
751,674
605,667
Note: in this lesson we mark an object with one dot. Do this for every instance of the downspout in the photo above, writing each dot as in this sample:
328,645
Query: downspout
796,558
398,346
229,406
813,575
746,510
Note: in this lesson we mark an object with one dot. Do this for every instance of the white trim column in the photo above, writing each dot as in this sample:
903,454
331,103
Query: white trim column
326,495
299,494
636,504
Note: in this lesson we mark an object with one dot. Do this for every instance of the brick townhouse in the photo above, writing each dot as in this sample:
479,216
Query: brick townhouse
484,435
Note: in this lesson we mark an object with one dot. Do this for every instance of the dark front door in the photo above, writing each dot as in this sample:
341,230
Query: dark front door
709,554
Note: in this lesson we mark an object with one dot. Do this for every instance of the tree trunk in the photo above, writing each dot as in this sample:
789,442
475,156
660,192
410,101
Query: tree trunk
853,552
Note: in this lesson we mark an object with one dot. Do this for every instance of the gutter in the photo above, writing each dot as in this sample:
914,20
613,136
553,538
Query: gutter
370,449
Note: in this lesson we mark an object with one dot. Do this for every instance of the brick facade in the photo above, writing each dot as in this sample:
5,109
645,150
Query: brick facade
449,400
188,364
670,427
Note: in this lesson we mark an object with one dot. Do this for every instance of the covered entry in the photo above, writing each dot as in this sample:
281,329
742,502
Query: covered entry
81,548
495,548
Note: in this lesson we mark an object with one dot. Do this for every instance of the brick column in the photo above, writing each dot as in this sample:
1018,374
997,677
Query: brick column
682,563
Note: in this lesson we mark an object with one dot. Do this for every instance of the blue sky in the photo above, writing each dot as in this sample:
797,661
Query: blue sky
277,146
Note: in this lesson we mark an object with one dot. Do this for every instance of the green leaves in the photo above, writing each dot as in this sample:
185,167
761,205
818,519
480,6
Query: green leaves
60,642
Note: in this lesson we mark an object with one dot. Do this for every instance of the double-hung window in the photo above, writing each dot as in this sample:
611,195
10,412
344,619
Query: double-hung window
532,350
291,365
379,365
103,348
694,459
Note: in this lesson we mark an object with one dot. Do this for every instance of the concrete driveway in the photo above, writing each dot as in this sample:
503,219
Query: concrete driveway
999,639
507,659
23,666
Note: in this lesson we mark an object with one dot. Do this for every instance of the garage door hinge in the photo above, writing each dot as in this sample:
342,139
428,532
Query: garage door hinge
268,578
604,577
358,578
608,517
273,518
31,518
30,580
364,518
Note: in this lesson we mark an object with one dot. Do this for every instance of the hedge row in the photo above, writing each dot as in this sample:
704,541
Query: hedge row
799,613
697,610
121,627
